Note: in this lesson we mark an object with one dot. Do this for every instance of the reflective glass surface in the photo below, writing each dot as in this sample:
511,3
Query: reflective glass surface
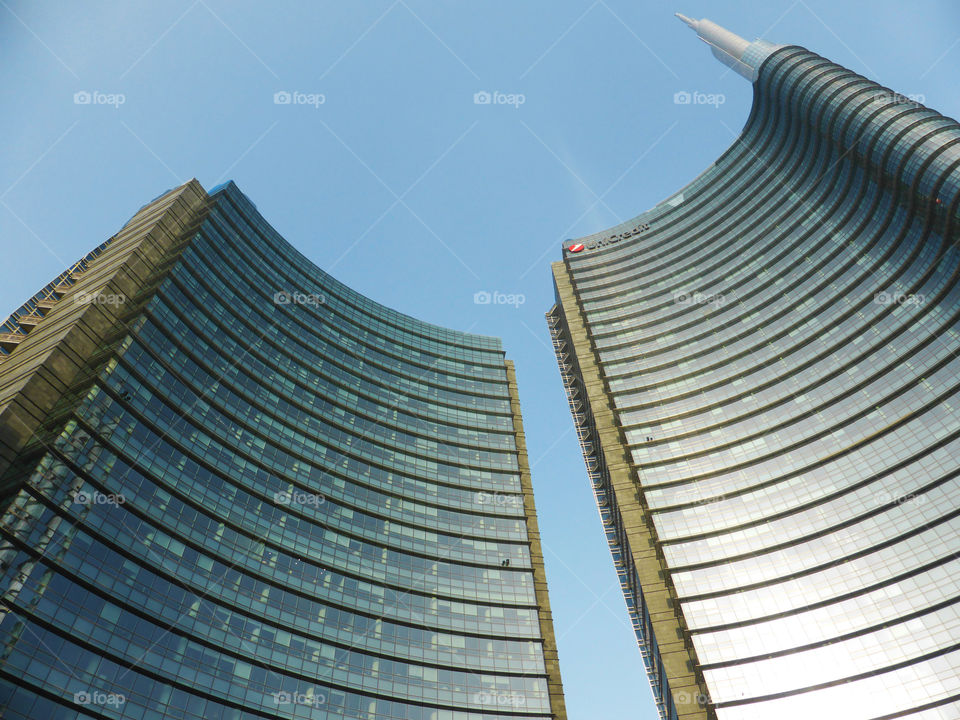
781,348
277,499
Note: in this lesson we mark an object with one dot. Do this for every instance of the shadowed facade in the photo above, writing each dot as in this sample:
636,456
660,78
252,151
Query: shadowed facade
235,488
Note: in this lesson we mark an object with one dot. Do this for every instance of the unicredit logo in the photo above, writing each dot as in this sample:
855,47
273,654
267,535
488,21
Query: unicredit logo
609,239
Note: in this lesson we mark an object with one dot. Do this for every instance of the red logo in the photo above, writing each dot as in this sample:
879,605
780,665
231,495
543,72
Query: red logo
576,248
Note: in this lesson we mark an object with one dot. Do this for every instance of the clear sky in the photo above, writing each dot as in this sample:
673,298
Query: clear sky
405,188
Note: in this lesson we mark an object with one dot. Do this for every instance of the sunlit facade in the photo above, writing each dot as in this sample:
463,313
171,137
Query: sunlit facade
259,494
764,374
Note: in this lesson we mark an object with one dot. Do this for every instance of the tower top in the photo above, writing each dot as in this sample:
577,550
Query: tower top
729,48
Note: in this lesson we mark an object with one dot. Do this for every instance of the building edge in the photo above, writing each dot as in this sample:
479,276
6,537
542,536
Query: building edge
70,333
550,654
668,653
53,363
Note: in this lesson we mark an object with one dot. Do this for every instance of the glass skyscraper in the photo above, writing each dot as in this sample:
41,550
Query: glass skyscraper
763,371
232,487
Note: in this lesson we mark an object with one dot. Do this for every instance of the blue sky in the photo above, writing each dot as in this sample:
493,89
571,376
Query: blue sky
402,186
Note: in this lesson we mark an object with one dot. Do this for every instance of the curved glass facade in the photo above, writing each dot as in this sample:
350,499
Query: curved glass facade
275,498
779,347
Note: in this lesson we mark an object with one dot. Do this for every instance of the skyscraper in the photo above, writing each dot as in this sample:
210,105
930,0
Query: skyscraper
763,373
232,487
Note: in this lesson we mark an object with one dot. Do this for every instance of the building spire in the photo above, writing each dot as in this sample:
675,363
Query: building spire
728,47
